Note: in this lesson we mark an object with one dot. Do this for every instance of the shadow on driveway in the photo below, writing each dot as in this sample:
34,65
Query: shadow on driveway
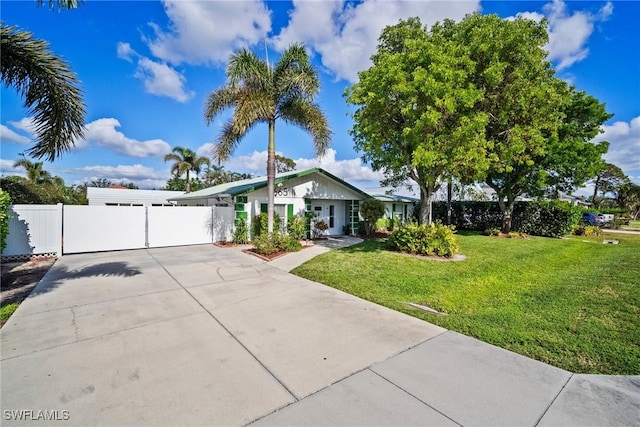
58,275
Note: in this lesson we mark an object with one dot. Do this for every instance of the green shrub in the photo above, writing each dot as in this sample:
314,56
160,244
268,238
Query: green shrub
382,224
267,244
241,233
587,230
537,218
297,227
259,224
433,239
371,210
393,224
492,232
319,227
5,205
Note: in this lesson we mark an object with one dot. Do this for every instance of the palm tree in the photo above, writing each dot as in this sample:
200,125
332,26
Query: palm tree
47,85
259,93
35,171
185,160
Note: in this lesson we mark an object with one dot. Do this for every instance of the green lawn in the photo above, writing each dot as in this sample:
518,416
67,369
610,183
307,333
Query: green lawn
572,303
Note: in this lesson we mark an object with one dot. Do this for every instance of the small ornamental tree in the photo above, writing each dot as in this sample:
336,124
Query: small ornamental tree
371,210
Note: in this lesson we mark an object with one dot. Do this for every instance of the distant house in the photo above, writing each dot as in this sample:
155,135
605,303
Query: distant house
120,196
395,206
313,192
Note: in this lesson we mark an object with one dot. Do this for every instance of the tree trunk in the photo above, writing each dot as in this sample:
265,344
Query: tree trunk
425,205
595,192
449,191
188,186
507,212
271,175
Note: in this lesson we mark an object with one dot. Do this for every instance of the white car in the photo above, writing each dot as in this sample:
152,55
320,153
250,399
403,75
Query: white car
607,217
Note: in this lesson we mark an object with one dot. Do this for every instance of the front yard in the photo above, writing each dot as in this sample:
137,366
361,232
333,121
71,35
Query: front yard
573,303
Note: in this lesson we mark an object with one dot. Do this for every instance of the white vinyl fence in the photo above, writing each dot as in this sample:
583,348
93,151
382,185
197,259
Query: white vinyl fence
34,229
57,229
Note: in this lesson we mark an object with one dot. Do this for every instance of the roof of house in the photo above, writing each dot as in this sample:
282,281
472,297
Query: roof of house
393,198
245,186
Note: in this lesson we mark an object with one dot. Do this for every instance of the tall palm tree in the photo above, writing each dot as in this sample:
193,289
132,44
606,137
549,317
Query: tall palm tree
259,93
185,160
35,171
47,85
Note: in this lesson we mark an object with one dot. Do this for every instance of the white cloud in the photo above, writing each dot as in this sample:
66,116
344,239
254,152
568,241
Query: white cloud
9,136
569,33
143,176
346,36
162,80
205,149
350,170
624,145
103,132
125,51
207,32
6,168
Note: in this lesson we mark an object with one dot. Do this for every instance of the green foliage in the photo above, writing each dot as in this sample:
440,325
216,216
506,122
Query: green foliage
260,222
180,184
371,210
536,218
319,227
7,310
492,232
382,224
5,205
297,226
587,230
185,160
270,243
425,239
241,233
25,192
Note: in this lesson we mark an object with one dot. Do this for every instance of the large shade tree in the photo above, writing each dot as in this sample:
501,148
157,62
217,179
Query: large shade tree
260,93
185,160
415,117
49,88
539,129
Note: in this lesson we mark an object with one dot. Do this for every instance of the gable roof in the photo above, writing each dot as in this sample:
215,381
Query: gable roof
245,186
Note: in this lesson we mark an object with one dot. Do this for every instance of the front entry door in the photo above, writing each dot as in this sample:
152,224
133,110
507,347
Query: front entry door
326,212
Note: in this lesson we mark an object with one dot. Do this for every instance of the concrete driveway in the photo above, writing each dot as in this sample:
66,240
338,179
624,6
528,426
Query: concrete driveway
202,335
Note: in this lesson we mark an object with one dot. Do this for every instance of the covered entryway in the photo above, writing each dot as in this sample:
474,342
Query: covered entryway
332,212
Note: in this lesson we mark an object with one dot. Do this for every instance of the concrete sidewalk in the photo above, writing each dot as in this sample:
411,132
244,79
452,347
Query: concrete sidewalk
202,335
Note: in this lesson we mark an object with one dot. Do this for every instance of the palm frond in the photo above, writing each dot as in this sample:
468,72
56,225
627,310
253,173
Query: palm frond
252,107
294,73
219,101
49,88
304,113
247,69
228,140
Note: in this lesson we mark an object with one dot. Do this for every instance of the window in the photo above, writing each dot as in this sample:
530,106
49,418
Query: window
332,211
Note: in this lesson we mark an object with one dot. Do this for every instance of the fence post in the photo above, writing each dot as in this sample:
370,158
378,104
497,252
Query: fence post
61,229
146,227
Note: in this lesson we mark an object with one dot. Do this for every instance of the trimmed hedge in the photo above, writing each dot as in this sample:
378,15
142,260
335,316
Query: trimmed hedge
433,239
547,218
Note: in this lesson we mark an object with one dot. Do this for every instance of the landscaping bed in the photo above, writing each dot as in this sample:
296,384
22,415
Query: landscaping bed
18,280
573,303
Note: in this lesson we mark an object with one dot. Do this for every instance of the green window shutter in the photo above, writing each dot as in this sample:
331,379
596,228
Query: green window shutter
239,207
290,210
263,207
242,199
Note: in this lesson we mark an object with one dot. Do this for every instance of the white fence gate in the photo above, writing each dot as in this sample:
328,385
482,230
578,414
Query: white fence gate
57,229
34,229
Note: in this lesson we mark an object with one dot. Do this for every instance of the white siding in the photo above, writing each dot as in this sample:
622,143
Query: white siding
34,230
103,228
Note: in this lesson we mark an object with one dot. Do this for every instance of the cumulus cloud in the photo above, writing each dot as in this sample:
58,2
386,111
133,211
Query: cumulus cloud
159,78
569,33
207,32
345,35
103,132
162,80
9,136
624,145
350,170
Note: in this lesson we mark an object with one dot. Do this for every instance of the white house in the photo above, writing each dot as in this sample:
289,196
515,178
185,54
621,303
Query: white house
395,206
127,197
313,192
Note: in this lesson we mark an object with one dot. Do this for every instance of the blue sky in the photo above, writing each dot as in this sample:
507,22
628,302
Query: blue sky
146,68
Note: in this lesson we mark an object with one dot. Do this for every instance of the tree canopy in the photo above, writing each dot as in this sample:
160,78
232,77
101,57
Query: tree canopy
259,93
185,160
474,100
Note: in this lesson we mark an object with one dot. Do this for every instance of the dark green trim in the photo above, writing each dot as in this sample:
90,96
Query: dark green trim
264,207
290,210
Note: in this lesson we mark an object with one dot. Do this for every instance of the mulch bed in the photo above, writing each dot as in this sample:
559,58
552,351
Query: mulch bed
20,277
